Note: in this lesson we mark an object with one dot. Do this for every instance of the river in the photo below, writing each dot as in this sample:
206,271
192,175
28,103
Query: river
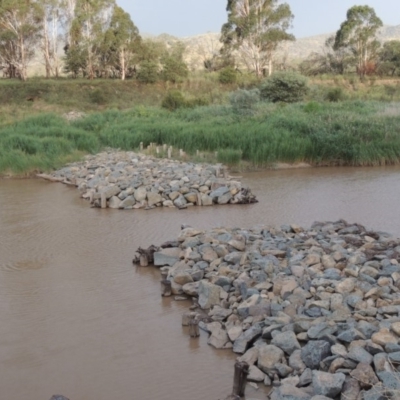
77,318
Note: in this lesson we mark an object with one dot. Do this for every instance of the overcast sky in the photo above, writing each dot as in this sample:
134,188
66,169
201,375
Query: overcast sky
191,17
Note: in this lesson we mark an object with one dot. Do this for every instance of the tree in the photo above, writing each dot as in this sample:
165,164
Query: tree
19,33
330,61
389,57
121,41
358,33
91,20
50,36
174,69
255,28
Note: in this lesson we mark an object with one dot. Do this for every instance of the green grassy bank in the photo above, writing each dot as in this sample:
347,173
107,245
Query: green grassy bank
345,133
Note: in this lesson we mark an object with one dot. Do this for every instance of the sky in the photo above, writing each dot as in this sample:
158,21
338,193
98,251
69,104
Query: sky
192,17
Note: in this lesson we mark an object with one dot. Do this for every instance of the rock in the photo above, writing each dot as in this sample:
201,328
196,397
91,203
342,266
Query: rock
191,289
153,198
218,338
168,256
255,374
241,343
209,294
182,278
245,306
350,390
286,341
365,375
140,194
219,314
180,202
268,357
326,384
235,332
114,202
110,191
251,356
345,286
360,355
289,392
314,352
384,337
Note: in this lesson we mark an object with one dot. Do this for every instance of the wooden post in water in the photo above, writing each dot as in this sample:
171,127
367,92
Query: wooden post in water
141,146
164,146
240,378
103,200
180,153
157,150
164,275
194,330
170,152
166,290
144,262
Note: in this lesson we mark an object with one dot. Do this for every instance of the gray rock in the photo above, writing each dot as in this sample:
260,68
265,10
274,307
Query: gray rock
350,390
242,342
320,330
326,384
360,355
255,374
168,256
314,352
289,392
286,341
209,294
365,375
268,357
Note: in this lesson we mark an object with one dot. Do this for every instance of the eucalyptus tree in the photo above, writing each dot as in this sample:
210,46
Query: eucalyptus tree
91,20
52,15
389,57
358,33
121,42
20,24
255,28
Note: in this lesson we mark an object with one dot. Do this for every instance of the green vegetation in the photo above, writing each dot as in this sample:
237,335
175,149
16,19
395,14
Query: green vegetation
343,133
287,87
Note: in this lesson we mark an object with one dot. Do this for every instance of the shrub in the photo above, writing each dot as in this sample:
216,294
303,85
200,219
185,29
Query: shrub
287,87
312,107
227,75
244,101
335,95
148,72
174,70
98,97
174,100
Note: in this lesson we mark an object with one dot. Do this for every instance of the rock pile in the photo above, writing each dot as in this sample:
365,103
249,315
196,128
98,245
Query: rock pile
126,180
315,313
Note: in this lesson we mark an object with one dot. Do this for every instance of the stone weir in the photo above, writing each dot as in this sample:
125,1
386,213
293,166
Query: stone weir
125,180
315,313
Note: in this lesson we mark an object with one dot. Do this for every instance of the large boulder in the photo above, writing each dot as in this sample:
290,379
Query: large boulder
167,256
268,357
209,294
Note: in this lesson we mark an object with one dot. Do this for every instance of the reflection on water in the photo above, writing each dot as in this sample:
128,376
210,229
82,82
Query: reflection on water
79,319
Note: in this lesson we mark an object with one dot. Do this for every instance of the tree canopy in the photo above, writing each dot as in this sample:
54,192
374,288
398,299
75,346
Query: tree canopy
358,33
254,29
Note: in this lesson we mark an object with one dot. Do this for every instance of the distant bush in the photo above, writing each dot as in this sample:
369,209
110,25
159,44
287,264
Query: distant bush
335,95
287,87
174,70
244,101
173,100
197,102
227,76
312,107
148,72
98,97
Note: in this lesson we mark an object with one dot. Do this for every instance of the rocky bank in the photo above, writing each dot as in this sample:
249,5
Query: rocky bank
315,313
126,180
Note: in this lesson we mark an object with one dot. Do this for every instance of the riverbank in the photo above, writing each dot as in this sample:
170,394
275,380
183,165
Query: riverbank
316,311
352,133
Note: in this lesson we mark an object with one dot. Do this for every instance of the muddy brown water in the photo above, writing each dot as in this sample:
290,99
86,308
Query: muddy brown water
77,318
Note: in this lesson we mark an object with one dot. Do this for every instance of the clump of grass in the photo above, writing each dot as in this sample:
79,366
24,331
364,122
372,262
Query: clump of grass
231,157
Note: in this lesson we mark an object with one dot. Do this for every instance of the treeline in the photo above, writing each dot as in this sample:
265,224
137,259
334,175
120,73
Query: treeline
83,38
98,39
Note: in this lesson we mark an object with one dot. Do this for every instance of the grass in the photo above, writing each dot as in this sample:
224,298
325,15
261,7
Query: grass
344,133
